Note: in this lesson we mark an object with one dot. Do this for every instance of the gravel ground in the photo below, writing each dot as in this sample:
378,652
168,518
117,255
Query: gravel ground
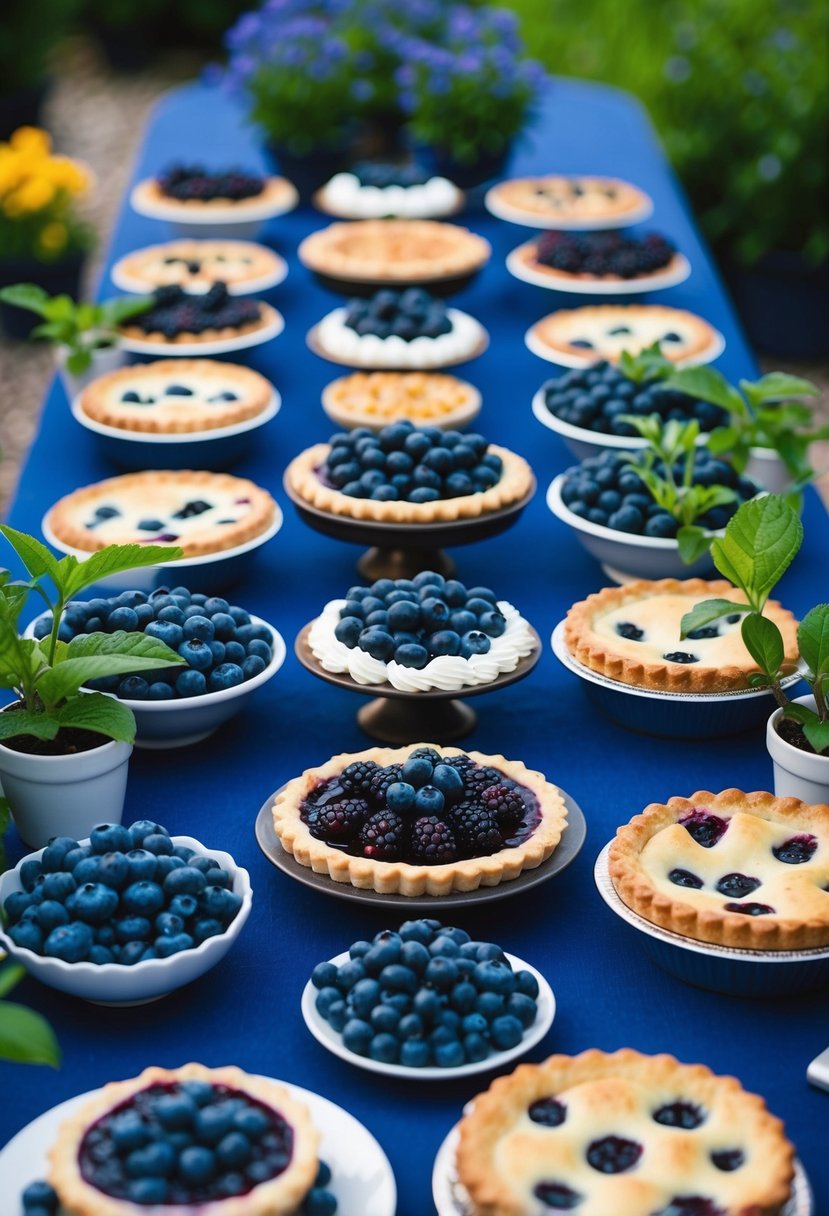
100,117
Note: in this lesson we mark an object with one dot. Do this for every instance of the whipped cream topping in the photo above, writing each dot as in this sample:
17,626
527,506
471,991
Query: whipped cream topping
367,350
446,672
346,195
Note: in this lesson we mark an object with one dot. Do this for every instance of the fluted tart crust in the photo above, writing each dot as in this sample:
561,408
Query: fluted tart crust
399,251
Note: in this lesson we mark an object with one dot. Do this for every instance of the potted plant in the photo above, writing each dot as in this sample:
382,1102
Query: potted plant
85,336
30,33
759,544
64,751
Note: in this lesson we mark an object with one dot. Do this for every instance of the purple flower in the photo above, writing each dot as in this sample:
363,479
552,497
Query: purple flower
362,90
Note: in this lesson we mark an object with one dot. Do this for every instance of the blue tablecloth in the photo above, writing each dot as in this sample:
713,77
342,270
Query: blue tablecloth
247,1011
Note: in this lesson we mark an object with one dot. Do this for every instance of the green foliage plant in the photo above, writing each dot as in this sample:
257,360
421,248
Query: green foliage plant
81,327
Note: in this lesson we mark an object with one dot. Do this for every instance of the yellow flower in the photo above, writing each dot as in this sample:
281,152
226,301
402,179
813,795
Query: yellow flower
35,194
11,173
31,141
66,174
11,205
53,237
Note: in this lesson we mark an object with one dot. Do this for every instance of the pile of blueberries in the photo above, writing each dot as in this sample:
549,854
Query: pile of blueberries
412,621
383,174
410,463
597,397
604,253
175,311
409,314
196,183
127,896
607,490
220,644
426,995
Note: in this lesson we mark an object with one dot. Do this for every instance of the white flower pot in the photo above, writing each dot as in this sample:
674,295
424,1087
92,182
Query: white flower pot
797,774
767,470
64,795
106,359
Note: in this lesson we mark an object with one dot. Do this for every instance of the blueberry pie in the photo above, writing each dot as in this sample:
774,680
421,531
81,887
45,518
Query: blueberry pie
179,316
565,257
409,474
193,190
556,199
373,399
176,396
632,634
420,820
190,1139
604,331
200,512
622,1135
394,251
197,265
375,191
735,869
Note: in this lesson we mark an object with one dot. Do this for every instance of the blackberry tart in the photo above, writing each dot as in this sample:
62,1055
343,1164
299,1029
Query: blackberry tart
178,317
570,261
195,192
579,336
197,264
420,820
377,190
375,399
622,1133
568,201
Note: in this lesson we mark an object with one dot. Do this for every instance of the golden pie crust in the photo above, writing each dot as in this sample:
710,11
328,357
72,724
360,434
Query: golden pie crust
267,316
728,667
278,1196
525,255
502,1154
396,251
101,400
517,481
559,199
241,262
647,323
653,843
161,492
403,878
278,192
374,399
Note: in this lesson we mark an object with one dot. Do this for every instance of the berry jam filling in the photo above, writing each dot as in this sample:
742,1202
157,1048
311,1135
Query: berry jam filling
557,1196
613,1154
427,811
728,1159
194,183
189,1143
705,828
175,312
750,909
691,1205
548,1111
680,1114
796,851
604,253
413,313
684,878
737,886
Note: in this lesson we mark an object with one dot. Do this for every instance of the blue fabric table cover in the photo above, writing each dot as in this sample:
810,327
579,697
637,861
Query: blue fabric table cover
247,1010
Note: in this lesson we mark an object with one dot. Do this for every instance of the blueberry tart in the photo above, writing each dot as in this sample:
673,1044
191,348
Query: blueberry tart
623,1134
744,870
197,265
394,251
178,316
374,399
575,201
422,820
200,512
377,190
565,259
409,474
176,396
194,191
250,1148
582,335
633,634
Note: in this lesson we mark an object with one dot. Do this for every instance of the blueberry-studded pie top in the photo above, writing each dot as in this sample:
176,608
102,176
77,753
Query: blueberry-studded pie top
604,331
191,1139
622,1135
633,634
196,265
563,200
176,396
199,512
744,870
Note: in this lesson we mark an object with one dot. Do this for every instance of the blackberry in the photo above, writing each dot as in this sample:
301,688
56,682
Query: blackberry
428,753
380,781
505,803
357,777
476,829
340,822
433,841
382,837
480,778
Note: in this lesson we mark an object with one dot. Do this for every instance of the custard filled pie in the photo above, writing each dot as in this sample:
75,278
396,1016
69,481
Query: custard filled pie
197,265
604,331
568,200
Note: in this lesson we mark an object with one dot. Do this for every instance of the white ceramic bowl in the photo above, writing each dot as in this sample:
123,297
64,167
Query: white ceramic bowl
561,358
116,984
677,271
230,222
273,327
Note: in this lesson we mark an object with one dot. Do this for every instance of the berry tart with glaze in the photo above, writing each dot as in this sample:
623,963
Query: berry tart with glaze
423,820
598,262
577,337
563,202
376,191
742,870
375,399
623,1134
196,265
179,319
193,194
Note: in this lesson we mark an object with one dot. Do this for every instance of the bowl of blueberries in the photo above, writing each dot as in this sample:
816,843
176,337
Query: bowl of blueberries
228,652
124,917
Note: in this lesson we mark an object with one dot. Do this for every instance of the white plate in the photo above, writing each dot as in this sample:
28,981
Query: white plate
231,215
125,282
152,438
362,1177
676,272
222,346
517,215
333,1041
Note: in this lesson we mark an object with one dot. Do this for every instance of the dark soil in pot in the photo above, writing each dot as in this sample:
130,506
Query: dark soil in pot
792,732
67,742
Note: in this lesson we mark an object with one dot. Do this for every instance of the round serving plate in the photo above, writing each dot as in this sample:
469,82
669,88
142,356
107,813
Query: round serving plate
362,1177
232,221
677,271
124,281
549,354
528,219
273,327
567,850
332,1041
312,340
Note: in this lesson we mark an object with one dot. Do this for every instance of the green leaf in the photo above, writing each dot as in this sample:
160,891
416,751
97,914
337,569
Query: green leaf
103,654
817,733
706,612
26,1037
760,542
34,555
694,542
10,976
707,384
79,361
26,295
5,817
722,439
97,712
28,722
813,640
132,645
115,559
778,386
114,312
764,643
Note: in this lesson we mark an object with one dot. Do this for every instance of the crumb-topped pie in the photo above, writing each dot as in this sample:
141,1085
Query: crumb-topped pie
394,251
376,190
374,399
735,869
568,200
420,820
197,264
154,1143
176,396
622,1134
633,634
604,331
178,316
195,190
200,512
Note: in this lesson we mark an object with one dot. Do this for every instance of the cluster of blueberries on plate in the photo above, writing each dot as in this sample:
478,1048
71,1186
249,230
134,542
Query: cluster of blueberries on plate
604,253
382,174
598,397
412,621
127,896
429,810
409,314
410,463
426,996
218,641
195,183
607,490
175,311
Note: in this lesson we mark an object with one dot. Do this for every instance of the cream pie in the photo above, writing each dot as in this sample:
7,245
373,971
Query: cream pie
394,251
568,200
420,820
200,512
563,260
604,331
376,191
197,264
622,1134
374,399
735,869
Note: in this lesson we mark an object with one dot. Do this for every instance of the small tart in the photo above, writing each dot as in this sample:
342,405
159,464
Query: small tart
335,339
265,317
374,399
348,198
394,251
743,870
526,257
280,1195
303,479
601,633
404,878
200,512
197,264
207,395
604,331
567,198
622,1134
277,192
